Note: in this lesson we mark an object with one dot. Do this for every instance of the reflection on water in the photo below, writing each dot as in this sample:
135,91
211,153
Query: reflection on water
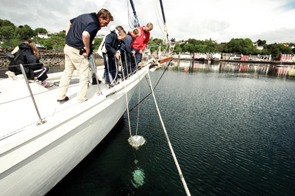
287,71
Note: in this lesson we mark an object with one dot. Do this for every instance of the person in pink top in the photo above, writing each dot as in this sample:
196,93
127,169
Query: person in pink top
140,42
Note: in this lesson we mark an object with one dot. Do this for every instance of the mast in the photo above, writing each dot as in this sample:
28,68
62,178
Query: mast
164,20
136,21
163,14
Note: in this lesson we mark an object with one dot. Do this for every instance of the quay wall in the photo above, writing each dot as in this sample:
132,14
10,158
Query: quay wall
55,60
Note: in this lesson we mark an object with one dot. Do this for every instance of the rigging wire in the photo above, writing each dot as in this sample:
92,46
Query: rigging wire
158,16
161,20
135,22
130,17
168,140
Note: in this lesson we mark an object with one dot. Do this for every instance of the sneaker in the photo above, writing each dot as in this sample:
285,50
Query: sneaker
63,100
11,75
46,84
82,100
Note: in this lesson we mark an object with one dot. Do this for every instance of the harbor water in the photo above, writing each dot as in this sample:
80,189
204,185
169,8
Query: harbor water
232,131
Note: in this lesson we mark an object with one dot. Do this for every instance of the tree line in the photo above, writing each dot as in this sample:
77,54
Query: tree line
12,35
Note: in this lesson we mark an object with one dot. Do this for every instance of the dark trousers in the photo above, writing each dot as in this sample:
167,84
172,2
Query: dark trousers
40,71
33,70
110,68
126,63
135,60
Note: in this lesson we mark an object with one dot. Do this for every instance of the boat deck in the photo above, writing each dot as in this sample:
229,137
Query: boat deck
16,116
35,156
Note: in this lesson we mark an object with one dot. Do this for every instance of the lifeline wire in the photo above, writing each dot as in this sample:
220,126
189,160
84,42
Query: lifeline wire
169,143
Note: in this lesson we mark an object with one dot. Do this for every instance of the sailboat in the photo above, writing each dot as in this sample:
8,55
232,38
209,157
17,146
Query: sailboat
41,140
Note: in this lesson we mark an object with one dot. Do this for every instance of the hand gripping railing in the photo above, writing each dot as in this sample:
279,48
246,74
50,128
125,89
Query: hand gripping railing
41,121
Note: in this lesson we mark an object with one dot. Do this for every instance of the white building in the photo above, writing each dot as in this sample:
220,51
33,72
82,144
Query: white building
42,35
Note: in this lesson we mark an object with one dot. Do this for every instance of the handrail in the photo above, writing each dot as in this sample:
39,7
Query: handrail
41,121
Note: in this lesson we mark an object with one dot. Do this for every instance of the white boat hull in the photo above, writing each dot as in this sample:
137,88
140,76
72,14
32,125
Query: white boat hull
33,159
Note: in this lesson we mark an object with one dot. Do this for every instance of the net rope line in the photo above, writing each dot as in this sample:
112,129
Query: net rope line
126,99
168,140
127,105
138,100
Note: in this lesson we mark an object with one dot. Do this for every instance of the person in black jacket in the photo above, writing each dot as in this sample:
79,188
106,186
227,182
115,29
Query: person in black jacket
112,45
27,54
126,53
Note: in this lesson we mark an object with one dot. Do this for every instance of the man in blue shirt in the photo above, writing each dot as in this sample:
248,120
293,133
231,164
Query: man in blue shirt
80,33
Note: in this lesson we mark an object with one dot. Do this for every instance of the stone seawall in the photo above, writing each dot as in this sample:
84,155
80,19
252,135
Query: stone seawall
55,60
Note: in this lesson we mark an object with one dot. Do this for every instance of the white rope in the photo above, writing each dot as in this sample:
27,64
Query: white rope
127,104
138,103
138,100
168,140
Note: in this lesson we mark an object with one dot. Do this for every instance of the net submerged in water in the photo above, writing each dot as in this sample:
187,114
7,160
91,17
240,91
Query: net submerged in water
136,141
138,178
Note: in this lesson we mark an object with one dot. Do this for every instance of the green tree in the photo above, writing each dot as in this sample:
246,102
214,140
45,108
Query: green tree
241,46
55,41
10,35
192,41
7,37
24,32
4,23
177,49
200,48
97,42
188,48
261,42
155,43
276,49
7,32
41,31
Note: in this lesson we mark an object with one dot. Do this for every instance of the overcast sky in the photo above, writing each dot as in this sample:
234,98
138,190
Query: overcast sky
220,20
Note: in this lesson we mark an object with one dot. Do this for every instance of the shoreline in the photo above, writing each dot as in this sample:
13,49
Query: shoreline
237,61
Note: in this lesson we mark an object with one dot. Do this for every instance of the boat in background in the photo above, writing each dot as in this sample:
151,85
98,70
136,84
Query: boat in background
41,140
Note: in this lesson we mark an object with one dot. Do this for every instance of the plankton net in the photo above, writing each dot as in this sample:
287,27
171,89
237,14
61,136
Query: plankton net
136,140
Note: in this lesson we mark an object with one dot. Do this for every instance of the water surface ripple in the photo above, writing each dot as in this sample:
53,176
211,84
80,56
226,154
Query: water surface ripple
232,135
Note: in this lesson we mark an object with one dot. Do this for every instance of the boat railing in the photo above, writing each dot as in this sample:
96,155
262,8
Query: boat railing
41,121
